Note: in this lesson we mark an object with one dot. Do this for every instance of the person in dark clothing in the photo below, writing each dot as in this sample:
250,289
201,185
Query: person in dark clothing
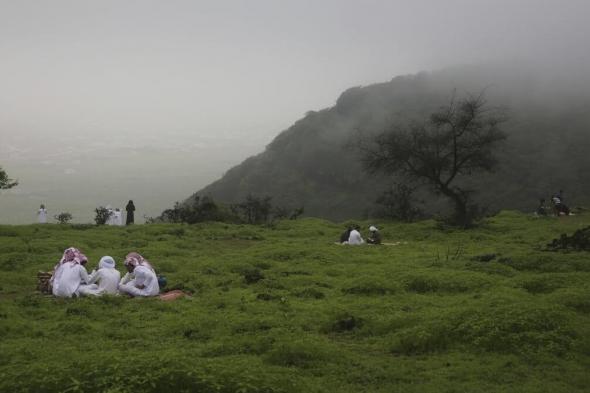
563,210
130,212
375,236
559,207
345,235
542,209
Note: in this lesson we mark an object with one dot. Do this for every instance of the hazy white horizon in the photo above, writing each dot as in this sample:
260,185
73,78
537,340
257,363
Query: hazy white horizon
105,101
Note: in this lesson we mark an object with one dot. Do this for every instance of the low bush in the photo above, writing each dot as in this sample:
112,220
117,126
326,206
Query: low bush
369,287
299,353
250,274
425,337
444,283
518,328
63,218
544,283
310,293
13,261
343,322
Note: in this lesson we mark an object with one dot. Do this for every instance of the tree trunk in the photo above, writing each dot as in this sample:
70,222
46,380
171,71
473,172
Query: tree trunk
460,216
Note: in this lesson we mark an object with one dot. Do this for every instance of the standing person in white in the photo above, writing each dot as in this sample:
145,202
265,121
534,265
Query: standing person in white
42,215
106,276
141,279
70,275
111,217
117,217
355,238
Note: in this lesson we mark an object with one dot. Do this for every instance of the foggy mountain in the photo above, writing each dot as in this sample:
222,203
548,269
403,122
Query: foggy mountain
547,148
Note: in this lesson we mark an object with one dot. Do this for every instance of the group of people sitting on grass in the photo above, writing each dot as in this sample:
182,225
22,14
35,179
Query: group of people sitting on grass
70,278
352,236
558,207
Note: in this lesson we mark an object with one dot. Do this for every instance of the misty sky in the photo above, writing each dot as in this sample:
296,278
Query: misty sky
244,67
240,71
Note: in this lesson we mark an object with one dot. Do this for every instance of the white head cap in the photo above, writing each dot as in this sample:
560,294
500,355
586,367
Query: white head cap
372,228
106,262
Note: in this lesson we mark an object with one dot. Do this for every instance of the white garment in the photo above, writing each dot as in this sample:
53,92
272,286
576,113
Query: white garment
67,279
111,217
355,238
117,218
88,290
144,283
42,216
126,278
106,262
107,279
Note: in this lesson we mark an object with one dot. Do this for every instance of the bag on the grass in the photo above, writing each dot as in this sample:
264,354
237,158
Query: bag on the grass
43,282
162,282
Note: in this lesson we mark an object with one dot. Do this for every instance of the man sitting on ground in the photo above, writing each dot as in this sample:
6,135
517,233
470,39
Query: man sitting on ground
106,276
355,238
375,236
141,278
70,275
345,235
560,208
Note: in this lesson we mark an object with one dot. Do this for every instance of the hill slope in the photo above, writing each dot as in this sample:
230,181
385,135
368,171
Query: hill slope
309,164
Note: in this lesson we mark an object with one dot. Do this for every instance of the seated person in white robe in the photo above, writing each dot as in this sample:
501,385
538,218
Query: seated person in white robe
355,238
105,280
141,279
70,276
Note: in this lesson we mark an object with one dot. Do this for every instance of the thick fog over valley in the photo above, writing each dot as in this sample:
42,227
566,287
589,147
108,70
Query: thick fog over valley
106,101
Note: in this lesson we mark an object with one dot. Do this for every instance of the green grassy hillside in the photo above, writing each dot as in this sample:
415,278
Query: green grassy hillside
283,309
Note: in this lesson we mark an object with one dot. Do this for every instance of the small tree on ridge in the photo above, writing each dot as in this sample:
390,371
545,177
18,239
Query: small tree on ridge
5,182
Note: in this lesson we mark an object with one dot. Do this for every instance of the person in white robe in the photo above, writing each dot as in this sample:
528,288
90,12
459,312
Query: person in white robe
42,215
375,236
117,217
111,217
355,238
70,277
141,279
105,280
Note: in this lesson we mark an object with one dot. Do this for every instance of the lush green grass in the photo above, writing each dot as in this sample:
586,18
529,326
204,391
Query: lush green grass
283,309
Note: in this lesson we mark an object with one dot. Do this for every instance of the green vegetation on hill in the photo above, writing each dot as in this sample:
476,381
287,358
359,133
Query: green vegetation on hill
282,308
310,165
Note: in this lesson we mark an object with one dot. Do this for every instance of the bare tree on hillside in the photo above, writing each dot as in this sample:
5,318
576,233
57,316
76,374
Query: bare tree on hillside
454,142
